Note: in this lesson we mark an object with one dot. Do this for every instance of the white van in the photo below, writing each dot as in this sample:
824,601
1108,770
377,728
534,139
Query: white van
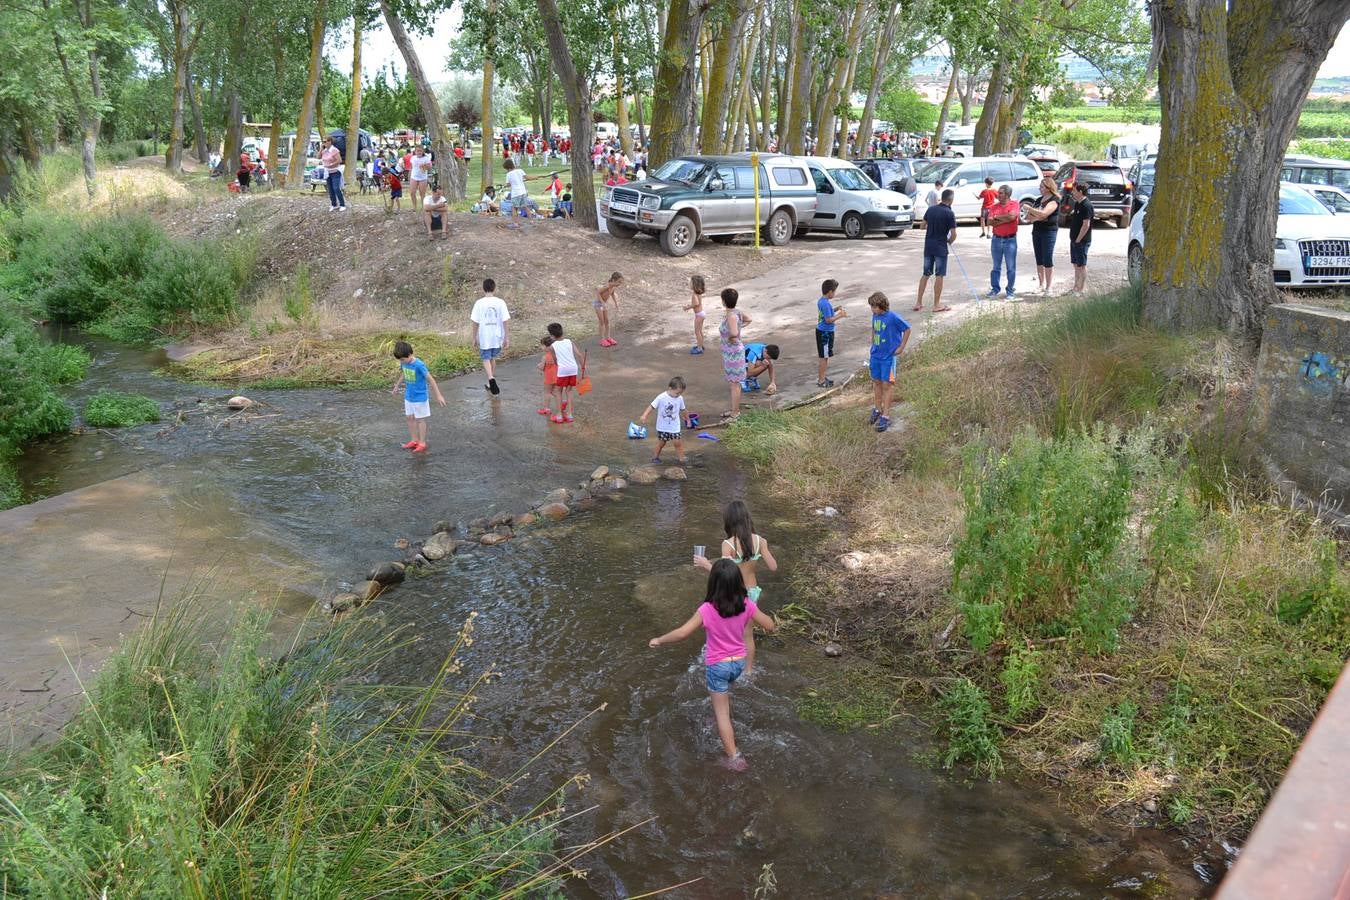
966,177
848,201
606,131
1125,149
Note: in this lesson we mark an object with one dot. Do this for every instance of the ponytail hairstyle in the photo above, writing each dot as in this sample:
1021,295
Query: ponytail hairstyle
726,588
737,523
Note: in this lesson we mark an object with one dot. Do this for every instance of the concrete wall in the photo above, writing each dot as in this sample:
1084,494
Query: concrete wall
1303,401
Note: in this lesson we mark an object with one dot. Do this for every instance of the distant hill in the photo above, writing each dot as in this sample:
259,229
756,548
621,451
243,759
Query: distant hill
1075,68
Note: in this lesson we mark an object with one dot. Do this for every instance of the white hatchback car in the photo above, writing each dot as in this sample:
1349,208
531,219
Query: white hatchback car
1312,245
848,200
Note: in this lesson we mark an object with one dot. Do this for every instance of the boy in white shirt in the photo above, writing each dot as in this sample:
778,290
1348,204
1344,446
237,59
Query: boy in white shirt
491,331
565,355
669,406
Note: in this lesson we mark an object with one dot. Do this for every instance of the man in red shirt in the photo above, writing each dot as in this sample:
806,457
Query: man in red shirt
1003,215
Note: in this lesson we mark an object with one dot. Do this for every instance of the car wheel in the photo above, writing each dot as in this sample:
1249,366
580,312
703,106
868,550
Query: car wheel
892,234
779,230
722,238
1134,264
1022,212
853,226
680,236
620,230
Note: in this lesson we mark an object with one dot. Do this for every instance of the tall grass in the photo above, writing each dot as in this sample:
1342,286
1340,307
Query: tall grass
221,771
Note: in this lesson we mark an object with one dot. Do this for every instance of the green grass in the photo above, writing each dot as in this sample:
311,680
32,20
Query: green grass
111,409
204,770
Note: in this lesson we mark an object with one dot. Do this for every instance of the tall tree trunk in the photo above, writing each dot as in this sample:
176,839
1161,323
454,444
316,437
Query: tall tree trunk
488,157
639,105
880,55
967,95
1232,84
766,75
788,84
676,71
620,91
846,104
184,36
88,103
354,111
946,107
735,143
726,50
546,108
198,125
578,114
837,90
793,140
308,101
451,172
274,128
987,126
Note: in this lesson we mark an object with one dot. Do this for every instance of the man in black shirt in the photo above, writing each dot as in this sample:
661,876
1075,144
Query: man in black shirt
1080,234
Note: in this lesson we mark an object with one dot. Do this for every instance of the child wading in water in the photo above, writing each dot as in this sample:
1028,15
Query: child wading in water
740,533
669,406
726,617
415,378
696,289
565,358
607,294
548,364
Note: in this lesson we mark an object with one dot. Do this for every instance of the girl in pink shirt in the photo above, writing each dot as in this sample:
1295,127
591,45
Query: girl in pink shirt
724,616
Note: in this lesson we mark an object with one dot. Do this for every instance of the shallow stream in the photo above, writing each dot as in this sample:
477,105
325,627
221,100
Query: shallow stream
564,617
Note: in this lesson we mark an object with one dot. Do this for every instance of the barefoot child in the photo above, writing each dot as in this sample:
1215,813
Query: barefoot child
565,356
669,406
549,366
414,376
695,305
890,333
740,533
603,298
726,617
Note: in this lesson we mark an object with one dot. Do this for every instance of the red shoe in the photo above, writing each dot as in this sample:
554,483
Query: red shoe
568,419
410,445
420,448
557,420
544,411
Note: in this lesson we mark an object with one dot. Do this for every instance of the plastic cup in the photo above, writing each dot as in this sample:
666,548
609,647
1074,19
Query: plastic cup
700,550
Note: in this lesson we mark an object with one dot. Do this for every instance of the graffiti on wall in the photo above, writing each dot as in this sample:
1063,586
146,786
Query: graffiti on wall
1322,373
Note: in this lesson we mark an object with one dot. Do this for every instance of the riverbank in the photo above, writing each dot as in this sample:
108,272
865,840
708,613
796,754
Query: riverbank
1069,555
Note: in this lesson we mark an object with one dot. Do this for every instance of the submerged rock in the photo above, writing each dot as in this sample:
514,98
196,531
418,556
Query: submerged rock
599,473
480,524
340,603
493,538
554,510
444,527
582,496
674,473
369,590
645,475
501,518
401,544
524,519
558,495
616,483
387,573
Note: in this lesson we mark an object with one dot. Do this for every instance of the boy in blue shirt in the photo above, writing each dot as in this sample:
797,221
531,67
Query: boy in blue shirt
414,376
826,315
890,333
760,358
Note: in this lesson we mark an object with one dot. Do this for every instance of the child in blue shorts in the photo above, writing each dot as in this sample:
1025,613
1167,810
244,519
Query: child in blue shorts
890,333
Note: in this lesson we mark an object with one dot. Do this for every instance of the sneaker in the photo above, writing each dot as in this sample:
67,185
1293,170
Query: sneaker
1010,295
876,414
410,445
695,351
492,386
568,418
420,448
828,382
342,209
544,411
332,209
883,422
557,420
992,293
656,460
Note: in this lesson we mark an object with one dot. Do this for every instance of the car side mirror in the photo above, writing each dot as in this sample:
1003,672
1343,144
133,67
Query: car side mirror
716,184
963,182
825,188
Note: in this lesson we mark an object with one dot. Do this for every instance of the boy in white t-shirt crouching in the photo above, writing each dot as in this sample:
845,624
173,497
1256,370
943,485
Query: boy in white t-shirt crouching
669,406
491,331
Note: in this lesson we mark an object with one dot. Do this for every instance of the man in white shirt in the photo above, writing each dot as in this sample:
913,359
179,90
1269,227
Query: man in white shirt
421,173
434,208
491,331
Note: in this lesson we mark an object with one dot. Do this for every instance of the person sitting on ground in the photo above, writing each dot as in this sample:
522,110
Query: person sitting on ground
434,209
487,204
760,358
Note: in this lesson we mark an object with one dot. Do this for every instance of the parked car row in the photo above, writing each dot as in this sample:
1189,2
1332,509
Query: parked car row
689,197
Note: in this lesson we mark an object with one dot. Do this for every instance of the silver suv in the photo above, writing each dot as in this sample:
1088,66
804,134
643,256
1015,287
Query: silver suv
966,177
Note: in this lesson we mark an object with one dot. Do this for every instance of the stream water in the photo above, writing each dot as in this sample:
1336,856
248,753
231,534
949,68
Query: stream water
564,616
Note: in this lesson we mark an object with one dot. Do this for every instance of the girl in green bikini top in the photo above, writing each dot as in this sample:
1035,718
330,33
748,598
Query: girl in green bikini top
740,531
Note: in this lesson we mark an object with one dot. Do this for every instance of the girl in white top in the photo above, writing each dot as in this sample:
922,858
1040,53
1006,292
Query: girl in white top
565,354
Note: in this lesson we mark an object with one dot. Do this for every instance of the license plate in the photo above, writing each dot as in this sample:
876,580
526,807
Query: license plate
623,207
1329,262
1099,191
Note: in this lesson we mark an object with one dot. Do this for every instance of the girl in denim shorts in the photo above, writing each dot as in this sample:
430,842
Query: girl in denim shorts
724,617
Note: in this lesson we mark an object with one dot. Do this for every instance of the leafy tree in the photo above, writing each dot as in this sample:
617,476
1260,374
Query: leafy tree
907,109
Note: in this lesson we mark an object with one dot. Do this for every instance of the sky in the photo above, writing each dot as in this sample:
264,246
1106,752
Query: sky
379,50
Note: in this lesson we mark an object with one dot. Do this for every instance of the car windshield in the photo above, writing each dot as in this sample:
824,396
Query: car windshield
852,179
936,171
1294,202
1147,173
685,171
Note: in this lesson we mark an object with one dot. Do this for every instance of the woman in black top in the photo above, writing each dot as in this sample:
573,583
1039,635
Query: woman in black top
1044,216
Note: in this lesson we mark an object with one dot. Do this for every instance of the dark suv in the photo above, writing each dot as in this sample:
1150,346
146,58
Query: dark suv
891,174
1110,191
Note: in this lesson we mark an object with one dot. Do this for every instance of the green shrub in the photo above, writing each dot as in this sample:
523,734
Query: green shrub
1044,527
299,298
1021,677
109,409
30,368
972,735
64,363
1117,735
11,492
219,771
